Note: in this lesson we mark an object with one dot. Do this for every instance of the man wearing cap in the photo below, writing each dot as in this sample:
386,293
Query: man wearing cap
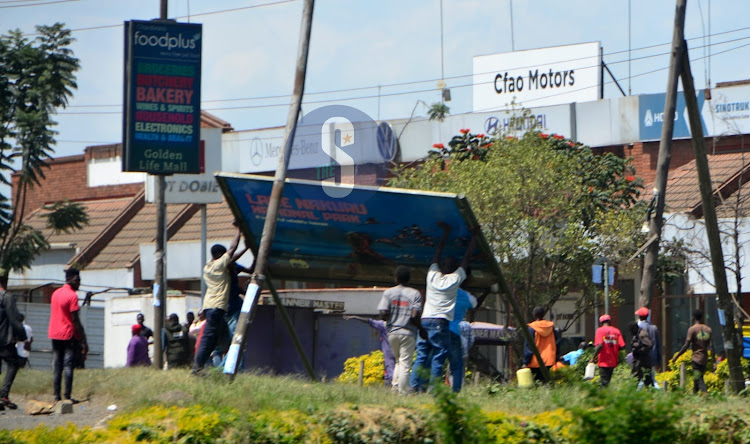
653,334
137,348
608,342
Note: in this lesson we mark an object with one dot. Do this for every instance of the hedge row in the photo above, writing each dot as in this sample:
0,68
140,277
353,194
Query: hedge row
612,415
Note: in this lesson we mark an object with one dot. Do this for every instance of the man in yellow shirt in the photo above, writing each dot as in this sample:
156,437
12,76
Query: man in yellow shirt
217,276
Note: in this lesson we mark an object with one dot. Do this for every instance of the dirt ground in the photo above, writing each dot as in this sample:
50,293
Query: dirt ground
86,413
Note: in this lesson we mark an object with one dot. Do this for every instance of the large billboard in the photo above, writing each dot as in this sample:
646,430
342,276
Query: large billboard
359,239
537,77
162,116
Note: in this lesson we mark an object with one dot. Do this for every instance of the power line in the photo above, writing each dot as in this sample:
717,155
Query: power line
392,94
37,4
413,82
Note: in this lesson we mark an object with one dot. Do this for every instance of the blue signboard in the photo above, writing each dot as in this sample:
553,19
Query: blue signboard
161,131
359,239
651,116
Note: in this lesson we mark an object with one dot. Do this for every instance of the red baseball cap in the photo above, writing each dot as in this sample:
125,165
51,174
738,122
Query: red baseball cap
604,317
643,311
136,328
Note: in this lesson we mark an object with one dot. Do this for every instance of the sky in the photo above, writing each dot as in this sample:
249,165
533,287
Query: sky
383,57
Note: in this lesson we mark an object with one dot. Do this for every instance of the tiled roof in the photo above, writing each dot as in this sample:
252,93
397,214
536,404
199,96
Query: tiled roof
683,192
123,250
101,214
219,220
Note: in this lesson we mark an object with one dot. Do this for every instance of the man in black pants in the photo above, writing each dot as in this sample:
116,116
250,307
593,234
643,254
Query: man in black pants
66,330
11,331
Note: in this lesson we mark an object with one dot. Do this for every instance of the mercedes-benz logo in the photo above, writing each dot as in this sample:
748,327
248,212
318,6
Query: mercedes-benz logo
256,148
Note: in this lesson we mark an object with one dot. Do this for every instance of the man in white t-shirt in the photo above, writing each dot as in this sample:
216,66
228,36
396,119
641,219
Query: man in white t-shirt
440,300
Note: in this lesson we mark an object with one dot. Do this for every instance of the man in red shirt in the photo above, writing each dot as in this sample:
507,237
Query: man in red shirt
65,330
608,342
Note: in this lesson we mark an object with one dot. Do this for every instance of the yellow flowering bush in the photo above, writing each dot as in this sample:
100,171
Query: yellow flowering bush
374,369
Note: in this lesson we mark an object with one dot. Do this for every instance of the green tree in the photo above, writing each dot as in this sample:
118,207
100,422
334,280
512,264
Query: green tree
548,207
36,78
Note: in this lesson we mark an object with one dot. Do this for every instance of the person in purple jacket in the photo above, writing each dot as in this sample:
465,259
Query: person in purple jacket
389,360
137,348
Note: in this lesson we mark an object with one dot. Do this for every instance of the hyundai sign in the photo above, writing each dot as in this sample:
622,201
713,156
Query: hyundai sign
537,77
161,132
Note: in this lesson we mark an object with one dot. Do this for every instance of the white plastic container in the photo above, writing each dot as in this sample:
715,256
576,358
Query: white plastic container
590,371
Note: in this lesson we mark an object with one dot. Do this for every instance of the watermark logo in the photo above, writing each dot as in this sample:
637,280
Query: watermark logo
341,147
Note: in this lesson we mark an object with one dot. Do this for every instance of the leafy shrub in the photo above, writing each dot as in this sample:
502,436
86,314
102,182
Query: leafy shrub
280,427
197,424
457,420
372,424
704,427
617,415
374,369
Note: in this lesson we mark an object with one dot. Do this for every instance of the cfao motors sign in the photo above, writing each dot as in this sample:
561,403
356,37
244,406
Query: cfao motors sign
162,97
537,77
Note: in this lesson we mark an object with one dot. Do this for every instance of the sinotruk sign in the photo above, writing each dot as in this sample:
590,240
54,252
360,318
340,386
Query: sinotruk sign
537,77
161,131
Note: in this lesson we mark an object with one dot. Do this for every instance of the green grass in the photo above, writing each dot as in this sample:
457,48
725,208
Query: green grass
139,387
278,408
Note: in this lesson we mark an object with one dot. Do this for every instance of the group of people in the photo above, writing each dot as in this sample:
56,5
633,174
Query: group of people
435,329
645,348
203,340
645,354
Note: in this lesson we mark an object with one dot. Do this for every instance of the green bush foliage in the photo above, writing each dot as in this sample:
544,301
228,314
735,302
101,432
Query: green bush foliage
617,415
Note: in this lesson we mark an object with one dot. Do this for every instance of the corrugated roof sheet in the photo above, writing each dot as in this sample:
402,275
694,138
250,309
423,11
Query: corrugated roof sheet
683,191
124,249
219,220
101,214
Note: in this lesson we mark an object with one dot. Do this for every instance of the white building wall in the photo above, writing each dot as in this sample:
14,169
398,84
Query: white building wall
119,316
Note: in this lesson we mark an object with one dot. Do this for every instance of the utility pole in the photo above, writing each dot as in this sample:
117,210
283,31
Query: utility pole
160,279
656,222
258,280
732,344
680,67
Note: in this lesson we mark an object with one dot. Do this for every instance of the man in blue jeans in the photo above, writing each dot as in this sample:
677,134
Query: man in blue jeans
217,275
465,301
440,300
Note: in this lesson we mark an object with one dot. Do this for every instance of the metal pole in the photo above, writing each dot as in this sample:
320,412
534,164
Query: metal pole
656,221
732,344
160,254
204,247
269,227
606,287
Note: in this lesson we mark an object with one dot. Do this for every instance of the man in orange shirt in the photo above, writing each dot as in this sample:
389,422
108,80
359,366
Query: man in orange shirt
545,337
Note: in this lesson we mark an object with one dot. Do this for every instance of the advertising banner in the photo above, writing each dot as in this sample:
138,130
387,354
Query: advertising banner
359,239
161,131
194,188
537,77
651,116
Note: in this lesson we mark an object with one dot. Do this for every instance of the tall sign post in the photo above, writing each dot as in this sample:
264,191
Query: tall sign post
161,131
